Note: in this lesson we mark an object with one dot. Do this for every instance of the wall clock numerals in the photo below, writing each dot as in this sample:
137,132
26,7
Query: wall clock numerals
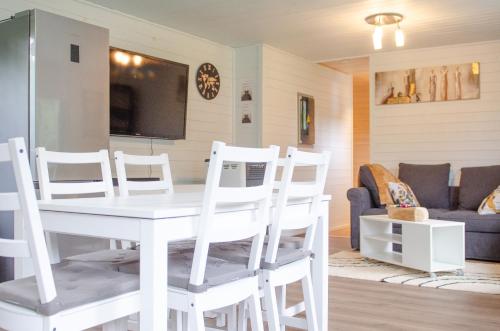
208,81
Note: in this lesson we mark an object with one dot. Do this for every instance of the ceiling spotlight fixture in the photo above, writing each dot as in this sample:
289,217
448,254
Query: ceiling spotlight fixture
377,37
400,37
381,19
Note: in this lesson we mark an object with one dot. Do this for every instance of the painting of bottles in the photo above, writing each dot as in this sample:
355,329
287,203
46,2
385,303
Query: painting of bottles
430,84
306,119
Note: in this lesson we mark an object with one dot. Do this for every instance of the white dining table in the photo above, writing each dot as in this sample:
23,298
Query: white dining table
156,220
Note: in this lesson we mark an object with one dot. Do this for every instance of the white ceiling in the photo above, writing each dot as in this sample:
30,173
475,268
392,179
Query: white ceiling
320,29
352,65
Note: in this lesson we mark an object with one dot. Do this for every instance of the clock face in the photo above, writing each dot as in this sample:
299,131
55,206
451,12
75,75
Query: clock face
208,81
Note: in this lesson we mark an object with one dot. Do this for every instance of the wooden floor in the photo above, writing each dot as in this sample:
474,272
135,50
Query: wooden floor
368,305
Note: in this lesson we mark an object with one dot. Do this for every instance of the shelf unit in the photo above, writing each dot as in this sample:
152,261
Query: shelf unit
430,246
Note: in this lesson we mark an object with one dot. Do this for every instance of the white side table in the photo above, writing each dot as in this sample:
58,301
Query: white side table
430,246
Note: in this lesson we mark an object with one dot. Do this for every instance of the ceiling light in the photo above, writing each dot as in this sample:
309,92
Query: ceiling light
400,37
377,37
137,59
381,19
122,58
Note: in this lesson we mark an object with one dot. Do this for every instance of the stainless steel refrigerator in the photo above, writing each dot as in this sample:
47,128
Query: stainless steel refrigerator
54,92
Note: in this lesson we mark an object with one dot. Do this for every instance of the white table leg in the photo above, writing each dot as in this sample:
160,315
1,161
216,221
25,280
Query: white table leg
154,285
320,268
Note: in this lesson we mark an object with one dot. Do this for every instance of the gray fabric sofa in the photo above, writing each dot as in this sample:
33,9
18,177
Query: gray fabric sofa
482,232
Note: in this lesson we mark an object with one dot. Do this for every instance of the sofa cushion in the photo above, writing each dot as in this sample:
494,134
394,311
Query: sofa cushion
434,213
428,182
477,183
367,180
375,211
473,221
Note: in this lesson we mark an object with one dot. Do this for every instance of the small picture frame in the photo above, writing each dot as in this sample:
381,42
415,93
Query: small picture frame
305,114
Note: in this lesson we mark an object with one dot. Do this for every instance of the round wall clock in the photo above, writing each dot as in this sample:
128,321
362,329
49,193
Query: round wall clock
208,81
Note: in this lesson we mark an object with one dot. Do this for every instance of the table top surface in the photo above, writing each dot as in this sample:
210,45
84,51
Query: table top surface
152,206
429,222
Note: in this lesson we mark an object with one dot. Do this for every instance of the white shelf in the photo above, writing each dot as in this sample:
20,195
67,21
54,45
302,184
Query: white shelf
442,266
388,257
430,246
385,237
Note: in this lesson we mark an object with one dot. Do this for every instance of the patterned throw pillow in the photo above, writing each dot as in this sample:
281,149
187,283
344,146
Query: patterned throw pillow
490,204
402,194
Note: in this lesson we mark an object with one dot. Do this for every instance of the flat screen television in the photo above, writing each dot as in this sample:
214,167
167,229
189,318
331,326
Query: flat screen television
148,96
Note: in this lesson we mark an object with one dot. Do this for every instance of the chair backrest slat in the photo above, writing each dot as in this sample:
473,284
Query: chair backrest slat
299,190
4,153
247,194
288,218
9,201
126,186
34,246
14,248
250,223
49,188
77,188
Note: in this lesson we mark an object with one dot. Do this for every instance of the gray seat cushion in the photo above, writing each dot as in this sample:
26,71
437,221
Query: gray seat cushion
76,284
218,271
428,182
107,259
112,259
240,251
291,242
476,183
473,221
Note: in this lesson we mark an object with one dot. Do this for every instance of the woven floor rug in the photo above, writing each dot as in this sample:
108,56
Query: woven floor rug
482,277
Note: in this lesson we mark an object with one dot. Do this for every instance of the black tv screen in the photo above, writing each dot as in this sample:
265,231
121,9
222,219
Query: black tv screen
148,96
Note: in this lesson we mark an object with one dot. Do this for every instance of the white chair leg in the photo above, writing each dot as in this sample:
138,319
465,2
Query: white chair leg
184,321
116,325
220,320
113,244
242,317
273,318
196,321
179,320
255,311
310,303
281,302
52,247
232,320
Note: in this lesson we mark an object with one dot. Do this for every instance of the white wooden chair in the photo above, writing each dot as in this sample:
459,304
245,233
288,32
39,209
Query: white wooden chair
127,186
104,187
199,282
67,296
287,259
278,273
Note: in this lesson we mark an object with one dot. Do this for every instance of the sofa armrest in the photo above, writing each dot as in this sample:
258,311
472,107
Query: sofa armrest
360,201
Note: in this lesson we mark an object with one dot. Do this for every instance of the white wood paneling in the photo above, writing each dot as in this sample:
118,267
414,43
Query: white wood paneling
361,122
464,133
206,120
285,75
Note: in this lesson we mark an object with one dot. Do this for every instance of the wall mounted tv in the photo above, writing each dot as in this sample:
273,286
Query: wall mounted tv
148,96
